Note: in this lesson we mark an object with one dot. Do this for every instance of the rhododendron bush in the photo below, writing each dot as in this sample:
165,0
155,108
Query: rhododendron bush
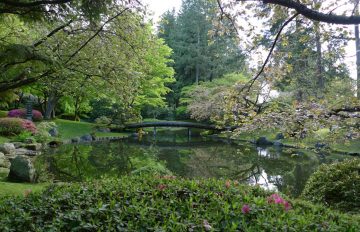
14,126
21,113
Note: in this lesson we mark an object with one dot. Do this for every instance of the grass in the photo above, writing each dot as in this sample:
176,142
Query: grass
3,139
17,189
71,129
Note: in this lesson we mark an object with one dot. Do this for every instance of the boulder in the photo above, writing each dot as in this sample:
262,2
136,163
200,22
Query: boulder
279,136
75,140
321,145
25,152
33,146
7,148
55,143
86,138
263,141
278,143
22,169
4,163
53,132
18,144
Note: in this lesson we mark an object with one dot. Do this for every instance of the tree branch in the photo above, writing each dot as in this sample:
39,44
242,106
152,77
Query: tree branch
95,34
53,32
313,14
271,50
33,4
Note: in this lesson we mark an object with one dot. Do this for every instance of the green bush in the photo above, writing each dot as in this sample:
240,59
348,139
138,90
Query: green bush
336,185
148,203
3,114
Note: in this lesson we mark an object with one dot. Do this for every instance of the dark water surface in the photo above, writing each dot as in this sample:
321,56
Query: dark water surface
281,169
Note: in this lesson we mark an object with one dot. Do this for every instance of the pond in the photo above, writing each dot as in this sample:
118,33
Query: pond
274,168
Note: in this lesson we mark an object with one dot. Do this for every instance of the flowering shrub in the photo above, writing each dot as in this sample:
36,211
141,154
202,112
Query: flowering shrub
277,199
14,126
145,203
21,113
28,125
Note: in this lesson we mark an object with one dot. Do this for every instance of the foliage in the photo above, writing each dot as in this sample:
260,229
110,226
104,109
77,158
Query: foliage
163,203
201,51
23,136
43,129
14,126
3,114
21,113
221,101
336,185
103,120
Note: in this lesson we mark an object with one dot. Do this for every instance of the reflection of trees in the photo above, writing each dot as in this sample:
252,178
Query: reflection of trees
269,167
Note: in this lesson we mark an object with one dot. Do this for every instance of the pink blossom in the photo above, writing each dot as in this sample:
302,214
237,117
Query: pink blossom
277,199
245,209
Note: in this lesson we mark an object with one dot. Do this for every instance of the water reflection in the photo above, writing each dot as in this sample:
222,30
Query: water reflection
273,168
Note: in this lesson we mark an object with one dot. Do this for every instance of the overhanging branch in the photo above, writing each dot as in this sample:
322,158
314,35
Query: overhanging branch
271,50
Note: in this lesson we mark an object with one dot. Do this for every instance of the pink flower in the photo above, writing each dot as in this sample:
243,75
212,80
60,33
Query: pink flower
277,199
245,209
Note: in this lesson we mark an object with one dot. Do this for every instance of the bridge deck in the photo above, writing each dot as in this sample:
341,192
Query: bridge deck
172,124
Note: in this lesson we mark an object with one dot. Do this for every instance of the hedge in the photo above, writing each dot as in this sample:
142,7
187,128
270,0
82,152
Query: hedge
14,126
148,203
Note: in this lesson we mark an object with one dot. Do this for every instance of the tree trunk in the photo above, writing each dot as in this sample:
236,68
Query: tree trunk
198,58
319,66
357,43
50,105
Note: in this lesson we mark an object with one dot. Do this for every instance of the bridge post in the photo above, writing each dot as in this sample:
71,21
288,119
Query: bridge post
154,133
189,134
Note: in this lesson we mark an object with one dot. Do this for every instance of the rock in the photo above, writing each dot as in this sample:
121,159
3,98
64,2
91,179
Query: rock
25,152
279,136
278,143
18,144
75,140
4,163
263,141
53,132
334,128
320,145
33,146
22,169
86,138
7,148
55,143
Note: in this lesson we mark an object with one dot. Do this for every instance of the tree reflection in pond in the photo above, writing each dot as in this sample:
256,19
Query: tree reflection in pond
273,168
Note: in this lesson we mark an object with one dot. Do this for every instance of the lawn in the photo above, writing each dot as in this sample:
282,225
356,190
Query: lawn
71,129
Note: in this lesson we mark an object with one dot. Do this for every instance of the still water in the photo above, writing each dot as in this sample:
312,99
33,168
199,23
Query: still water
274,168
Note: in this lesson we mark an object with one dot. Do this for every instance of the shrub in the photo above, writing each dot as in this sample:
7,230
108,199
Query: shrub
164,203
21,113
43,129
14,126
336,185
3,114
103,121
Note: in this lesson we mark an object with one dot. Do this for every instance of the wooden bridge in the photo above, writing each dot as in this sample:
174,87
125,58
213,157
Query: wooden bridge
188,125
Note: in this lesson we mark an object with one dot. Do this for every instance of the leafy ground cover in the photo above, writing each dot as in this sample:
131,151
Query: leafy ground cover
148,203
